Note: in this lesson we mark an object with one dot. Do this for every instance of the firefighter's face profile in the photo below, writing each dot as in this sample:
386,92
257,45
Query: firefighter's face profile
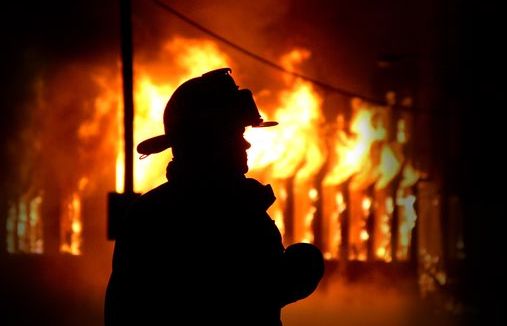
226,148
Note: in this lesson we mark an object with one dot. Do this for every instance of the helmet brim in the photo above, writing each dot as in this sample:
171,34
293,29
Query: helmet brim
154,145
160,143
266,124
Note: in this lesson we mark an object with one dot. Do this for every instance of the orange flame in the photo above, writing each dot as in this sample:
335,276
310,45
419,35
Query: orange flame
154,86
71,226
352,152
389,167
410,176
294,149
295,146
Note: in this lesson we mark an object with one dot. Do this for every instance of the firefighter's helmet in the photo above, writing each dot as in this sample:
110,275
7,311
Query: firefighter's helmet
212,100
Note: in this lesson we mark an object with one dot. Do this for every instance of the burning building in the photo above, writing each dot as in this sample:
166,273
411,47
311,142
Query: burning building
358,176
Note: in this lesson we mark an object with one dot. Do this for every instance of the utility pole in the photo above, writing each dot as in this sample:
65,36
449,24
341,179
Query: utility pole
119,202
128,92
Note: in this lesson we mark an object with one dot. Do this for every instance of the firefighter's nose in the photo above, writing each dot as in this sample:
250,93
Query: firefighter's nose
246,144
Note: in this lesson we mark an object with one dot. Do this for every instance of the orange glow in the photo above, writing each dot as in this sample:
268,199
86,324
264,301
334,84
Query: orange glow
193,58
390,164
276,210
352,150
294,147
410,176
150,101
71,222
277,216
407,217
364,235
313,194
71,226
381,252
366,205
401,135
120,153
383,237
308,237
431,275
333,230
405,200
295,150
333,208
24,226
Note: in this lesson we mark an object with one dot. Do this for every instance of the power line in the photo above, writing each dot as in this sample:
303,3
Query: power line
261,59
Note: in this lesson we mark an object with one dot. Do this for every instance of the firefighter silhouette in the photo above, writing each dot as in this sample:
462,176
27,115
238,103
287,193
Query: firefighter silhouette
202,246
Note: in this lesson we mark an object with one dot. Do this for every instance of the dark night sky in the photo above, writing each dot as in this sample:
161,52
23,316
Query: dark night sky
453,47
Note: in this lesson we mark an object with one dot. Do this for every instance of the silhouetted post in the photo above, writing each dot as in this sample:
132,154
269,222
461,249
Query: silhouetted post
318,218
395,219
394,115
128,92
118,203
4,209
345,222
414,240
370,224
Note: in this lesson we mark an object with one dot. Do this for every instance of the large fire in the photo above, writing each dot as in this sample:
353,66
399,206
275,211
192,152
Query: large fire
340,184
316,177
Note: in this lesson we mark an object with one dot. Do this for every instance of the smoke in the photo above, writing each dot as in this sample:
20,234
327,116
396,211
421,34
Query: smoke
347,40
374,300
48,51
